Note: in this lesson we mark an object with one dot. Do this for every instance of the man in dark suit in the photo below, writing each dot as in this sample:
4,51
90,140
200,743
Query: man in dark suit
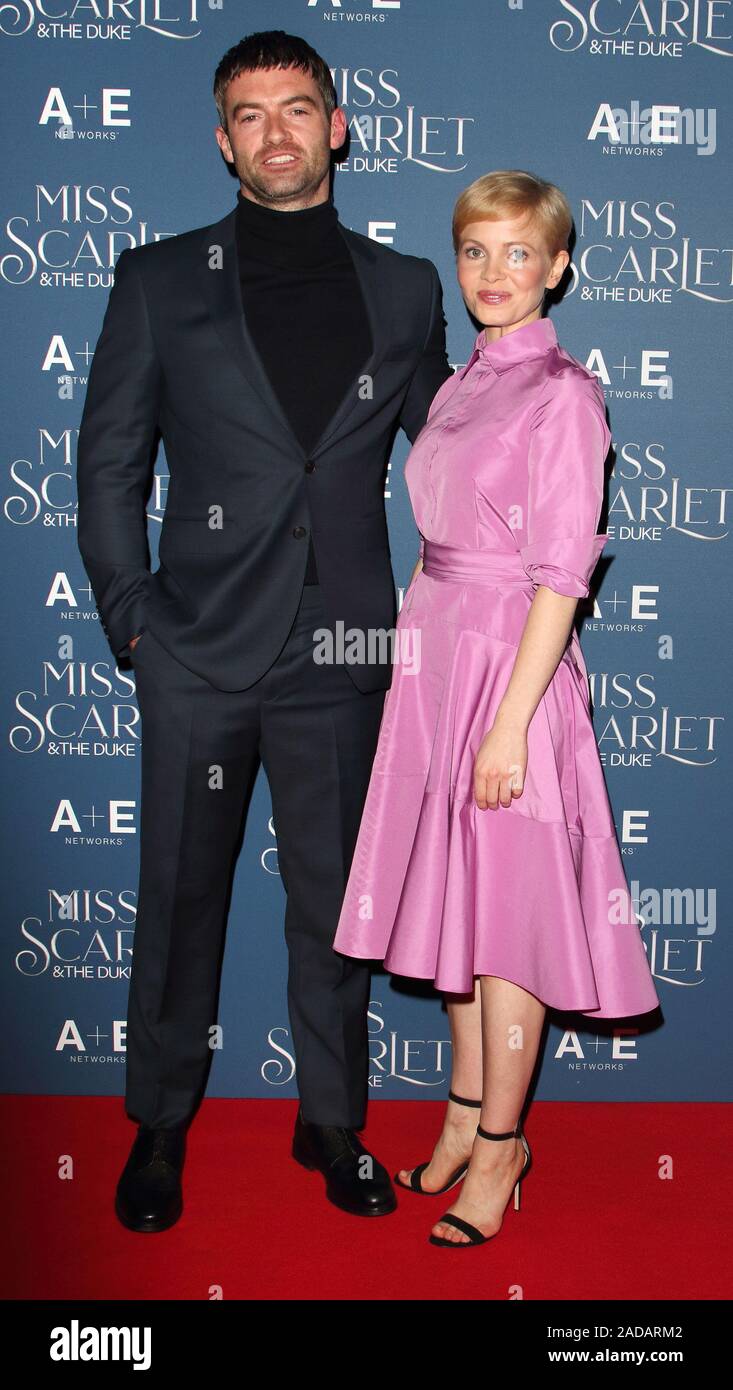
276,352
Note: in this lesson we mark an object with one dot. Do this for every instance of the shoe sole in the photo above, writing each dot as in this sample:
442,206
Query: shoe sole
384,1208
151,1227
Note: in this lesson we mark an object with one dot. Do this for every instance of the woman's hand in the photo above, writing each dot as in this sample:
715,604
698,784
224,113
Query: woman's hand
501,764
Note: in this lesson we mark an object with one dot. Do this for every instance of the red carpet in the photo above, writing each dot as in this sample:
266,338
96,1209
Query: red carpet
596,1220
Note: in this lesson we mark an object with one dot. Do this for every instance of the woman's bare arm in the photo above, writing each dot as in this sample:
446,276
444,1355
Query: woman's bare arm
544,639
416,570
501,761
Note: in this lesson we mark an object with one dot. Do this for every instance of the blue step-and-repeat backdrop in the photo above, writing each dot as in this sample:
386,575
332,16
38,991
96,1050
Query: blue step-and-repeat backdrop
108,122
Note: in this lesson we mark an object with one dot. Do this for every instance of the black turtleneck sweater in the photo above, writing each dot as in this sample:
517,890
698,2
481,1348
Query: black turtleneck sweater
306,313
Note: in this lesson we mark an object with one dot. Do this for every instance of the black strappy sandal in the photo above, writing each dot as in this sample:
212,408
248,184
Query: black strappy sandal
414,1185
474,1235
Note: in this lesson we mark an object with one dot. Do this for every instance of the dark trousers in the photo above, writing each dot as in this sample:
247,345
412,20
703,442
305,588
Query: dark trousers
316,736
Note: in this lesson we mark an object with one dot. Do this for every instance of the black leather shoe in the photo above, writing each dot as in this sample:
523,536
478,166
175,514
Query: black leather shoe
149,1196
362,1188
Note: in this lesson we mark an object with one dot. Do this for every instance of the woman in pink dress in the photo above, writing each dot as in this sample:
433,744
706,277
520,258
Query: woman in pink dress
487,859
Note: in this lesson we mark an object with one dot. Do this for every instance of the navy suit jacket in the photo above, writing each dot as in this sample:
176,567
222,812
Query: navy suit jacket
175,359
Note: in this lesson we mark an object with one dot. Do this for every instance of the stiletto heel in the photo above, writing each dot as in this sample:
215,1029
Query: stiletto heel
414,1185
475,1236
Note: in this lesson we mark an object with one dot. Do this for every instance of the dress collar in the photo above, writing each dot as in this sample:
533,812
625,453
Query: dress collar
532,340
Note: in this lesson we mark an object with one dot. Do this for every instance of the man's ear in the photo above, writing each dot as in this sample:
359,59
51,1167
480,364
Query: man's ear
339,127
222,140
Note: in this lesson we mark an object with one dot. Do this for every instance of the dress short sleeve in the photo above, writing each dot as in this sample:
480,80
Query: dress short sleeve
569,440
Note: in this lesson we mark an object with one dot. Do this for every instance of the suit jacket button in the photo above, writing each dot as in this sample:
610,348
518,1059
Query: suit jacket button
309,467
298,532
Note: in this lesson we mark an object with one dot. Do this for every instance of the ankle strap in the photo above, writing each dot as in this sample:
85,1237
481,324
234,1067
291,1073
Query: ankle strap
461,1100
486,1134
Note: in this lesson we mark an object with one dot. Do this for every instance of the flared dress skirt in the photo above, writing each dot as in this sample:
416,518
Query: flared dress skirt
535,892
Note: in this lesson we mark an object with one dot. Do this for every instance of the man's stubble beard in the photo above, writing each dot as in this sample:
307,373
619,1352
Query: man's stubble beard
308,177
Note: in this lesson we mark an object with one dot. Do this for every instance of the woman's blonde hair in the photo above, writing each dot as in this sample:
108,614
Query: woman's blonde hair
505,192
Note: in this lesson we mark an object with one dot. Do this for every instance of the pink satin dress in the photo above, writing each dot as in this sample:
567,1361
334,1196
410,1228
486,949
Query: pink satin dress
506,482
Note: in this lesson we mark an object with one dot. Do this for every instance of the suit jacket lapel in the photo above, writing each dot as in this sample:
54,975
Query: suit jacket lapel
379,310
222,294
